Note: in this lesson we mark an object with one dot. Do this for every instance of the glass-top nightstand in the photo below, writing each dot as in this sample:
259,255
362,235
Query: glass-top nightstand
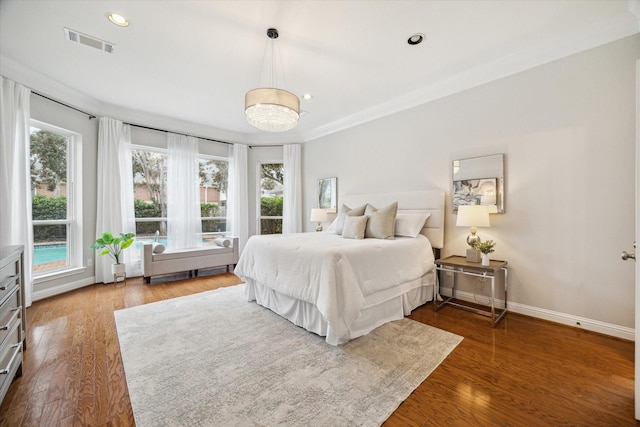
459,265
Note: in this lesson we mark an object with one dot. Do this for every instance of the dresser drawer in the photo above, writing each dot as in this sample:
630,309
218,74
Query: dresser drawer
7,284
10,360
10,314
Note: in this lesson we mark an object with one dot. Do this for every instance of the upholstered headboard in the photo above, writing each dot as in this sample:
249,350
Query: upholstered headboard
431,201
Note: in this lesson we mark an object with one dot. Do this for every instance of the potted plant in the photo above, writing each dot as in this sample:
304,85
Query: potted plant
486,248
113,246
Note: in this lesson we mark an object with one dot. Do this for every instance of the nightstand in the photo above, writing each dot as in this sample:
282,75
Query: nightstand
459,265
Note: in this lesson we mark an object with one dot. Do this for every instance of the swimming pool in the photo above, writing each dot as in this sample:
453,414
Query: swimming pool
44,254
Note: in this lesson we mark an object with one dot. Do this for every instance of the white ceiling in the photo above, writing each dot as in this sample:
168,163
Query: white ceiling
186,65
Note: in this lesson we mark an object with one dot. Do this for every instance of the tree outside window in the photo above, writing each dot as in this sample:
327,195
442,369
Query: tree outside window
271,196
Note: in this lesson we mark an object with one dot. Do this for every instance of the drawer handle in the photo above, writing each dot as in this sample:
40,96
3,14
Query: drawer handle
17,347
15,314
6,283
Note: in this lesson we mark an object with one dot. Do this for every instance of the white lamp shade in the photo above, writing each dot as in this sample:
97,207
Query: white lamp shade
318,214
272,110
473,216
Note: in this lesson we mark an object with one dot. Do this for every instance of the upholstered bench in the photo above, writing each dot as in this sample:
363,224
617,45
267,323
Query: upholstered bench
188,260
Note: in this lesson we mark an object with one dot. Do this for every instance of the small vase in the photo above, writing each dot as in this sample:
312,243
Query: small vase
485,260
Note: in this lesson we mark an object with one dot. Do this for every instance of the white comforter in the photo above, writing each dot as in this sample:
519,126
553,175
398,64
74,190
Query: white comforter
333,273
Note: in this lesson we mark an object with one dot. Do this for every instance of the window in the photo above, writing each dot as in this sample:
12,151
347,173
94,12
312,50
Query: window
56,192
149,194
271,192
214,174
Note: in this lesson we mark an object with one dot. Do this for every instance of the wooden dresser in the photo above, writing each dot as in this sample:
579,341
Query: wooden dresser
12,315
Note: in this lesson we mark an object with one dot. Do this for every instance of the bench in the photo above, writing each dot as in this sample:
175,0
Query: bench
188,260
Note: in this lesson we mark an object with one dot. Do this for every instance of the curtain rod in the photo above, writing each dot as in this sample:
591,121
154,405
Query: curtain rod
91,116
178,133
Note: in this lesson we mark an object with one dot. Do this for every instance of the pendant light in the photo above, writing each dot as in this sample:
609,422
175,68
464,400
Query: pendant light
268,108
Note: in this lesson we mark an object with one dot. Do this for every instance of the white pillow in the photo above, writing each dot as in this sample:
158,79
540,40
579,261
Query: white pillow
410,225
158,248
382,222
332,227
346,211
354,227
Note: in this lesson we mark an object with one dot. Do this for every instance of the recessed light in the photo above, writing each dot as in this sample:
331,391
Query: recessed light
415,39
307,97
119,20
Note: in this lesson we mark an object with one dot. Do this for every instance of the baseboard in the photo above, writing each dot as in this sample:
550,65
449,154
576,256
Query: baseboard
552,316
56,290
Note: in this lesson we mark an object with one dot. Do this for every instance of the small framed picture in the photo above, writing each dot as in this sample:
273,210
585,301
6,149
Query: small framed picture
475,192
328,194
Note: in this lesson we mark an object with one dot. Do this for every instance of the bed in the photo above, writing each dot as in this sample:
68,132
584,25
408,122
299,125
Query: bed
342,288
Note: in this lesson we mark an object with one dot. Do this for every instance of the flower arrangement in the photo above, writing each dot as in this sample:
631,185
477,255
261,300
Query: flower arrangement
485,247
113,246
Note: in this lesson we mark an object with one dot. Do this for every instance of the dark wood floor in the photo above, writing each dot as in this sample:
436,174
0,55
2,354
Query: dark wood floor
525,372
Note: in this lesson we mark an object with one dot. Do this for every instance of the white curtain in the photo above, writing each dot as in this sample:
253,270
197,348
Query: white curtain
131,258
115,211
15,178
238,194
184,226
292,197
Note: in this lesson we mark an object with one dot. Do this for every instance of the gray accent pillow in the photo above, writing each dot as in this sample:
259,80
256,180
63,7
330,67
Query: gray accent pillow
157,248
382,222
347,211
354,227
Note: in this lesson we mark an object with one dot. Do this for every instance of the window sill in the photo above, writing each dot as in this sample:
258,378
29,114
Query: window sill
58,275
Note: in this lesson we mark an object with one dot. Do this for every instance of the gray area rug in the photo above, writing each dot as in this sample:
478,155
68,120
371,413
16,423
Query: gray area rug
214,359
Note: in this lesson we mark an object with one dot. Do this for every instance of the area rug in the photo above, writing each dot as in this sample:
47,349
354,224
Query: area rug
214,359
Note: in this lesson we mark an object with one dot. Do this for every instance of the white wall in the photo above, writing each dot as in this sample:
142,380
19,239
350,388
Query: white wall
567,132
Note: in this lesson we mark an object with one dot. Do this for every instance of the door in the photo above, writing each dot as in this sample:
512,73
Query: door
637,237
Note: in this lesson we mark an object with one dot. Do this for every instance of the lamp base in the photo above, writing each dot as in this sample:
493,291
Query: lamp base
319,227
473,255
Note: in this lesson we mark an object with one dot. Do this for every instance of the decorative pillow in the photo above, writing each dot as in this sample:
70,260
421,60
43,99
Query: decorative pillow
332,227
382,222
410,225
223,241
157,248
347,211
354,227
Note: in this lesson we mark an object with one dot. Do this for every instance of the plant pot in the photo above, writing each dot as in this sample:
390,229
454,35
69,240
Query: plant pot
118,269
485,260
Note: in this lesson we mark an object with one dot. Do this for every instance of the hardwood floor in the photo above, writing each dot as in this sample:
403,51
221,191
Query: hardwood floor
525,372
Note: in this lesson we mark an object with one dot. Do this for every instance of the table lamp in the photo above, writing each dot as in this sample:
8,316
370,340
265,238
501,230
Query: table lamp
473,216
319,215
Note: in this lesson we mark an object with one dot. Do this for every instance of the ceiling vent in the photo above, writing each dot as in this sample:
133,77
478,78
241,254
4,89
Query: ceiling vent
76,37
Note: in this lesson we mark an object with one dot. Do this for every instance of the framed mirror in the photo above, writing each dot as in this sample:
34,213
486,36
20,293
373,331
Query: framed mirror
479,181
328,194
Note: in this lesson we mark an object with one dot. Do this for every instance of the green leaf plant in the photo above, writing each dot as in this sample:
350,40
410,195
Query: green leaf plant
485,247
113,246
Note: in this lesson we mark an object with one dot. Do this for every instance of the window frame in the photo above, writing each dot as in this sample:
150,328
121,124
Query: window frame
203,234
136,220
259,216
75,252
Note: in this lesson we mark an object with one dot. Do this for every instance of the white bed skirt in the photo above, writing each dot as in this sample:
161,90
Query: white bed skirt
379,308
